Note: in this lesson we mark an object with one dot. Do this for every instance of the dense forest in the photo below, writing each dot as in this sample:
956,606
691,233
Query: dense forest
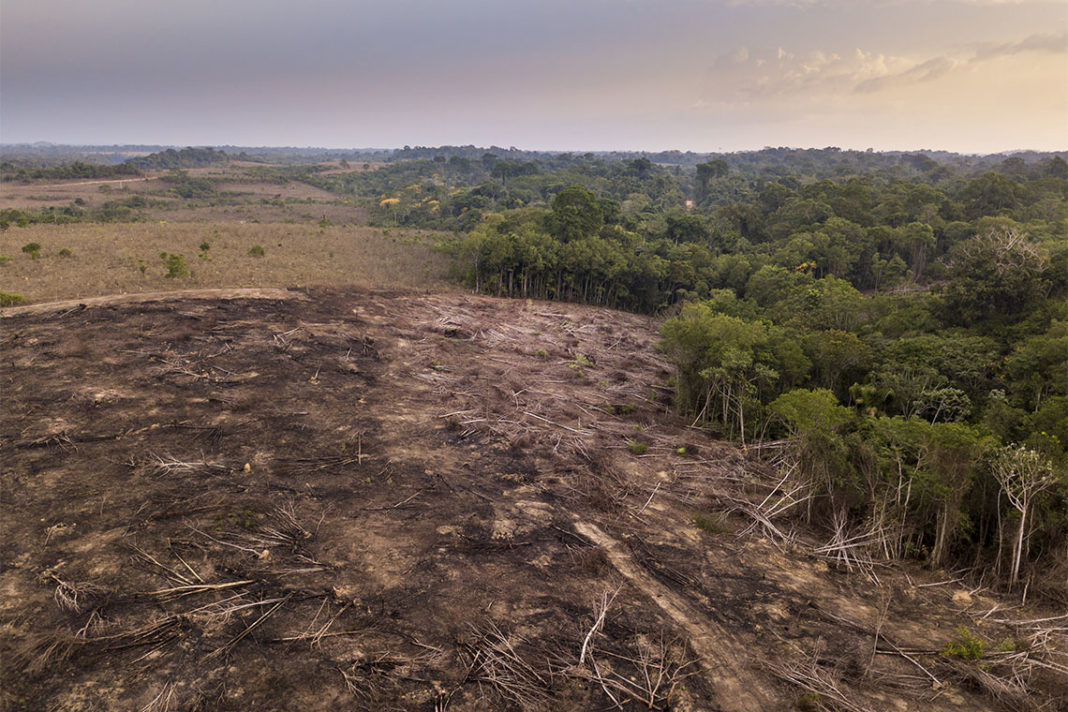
890,329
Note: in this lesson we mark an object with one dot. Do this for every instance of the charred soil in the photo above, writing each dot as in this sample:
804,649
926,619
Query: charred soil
328,499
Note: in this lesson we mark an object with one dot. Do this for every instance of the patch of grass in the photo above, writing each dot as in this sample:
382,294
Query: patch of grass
7,299
711,523
680,450
257,251
245,519
966,646
637,448
1008,645
625,408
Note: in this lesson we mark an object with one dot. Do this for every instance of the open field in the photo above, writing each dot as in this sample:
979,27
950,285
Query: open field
241,194
351,499
125,257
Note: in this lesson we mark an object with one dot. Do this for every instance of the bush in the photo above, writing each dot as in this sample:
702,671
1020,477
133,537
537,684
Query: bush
33,249
257,251
175,264
65,252
965,646
637,448
7,299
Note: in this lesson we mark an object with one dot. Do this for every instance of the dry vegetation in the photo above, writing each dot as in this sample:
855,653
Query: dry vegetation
362,500
118,258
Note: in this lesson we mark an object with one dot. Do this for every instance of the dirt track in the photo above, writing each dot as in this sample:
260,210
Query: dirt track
368,500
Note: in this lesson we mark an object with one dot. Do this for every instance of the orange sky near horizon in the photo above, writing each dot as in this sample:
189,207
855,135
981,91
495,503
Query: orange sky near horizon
973,76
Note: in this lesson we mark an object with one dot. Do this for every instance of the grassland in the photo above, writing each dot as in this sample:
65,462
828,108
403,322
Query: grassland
125,258
309,237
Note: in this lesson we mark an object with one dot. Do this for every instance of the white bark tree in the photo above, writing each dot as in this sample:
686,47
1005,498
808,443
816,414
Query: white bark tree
1023,474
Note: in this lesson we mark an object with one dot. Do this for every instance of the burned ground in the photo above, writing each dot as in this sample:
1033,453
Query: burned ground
367,500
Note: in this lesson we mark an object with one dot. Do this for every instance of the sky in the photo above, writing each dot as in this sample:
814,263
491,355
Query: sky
973,76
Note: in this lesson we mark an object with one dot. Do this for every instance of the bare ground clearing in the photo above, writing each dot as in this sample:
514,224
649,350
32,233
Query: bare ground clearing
368,500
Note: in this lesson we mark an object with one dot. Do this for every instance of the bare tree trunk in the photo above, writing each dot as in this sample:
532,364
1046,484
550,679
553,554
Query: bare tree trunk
1018,553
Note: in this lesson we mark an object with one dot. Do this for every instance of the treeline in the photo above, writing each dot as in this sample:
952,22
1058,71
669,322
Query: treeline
641,254
168,159
124,210
171,159
11,171
913,426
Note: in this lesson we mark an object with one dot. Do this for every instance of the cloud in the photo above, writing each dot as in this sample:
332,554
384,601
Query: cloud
746,75
756,75
922,72
1053,43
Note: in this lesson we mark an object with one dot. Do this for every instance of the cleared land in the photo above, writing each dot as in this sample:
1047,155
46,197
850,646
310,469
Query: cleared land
350,499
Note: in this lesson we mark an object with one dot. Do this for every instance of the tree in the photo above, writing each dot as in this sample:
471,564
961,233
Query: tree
576,214
955,450
998,273
815,420
916,240
721,360
989,194
706,174
838,357
1023,475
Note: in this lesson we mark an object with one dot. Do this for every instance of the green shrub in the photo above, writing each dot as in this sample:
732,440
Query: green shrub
965,646
65,252
637,448
33,249
176,266
257,251
205,246
7,299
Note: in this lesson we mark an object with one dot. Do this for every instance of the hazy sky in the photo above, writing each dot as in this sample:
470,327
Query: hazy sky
702,75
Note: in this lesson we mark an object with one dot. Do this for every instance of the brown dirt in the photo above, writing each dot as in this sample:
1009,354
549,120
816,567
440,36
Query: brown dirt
345,499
